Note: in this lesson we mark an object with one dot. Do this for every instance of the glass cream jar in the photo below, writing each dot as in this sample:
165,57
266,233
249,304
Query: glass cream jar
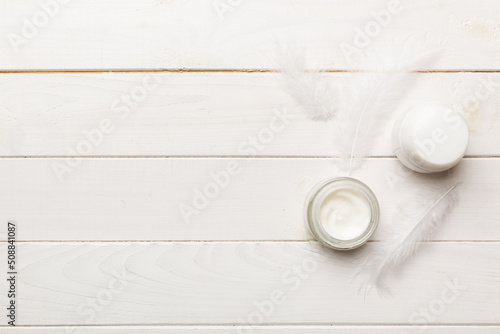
342,213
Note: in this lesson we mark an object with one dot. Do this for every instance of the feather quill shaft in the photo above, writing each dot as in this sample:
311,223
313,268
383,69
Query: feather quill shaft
417,221
361,103
361,118
370,101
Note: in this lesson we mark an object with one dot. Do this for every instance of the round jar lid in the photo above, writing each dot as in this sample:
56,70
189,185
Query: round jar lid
432,138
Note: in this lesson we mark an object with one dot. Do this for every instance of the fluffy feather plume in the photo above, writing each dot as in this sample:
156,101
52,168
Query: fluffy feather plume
371,98
417,219
361,104
311,91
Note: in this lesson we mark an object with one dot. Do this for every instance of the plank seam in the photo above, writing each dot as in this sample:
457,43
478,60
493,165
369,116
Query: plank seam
212,157
319,324
222,70
178,71
235,241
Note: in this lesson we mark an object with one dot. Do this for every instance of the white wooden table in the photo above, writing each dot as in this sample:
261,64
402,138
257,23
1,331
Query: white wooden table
115,114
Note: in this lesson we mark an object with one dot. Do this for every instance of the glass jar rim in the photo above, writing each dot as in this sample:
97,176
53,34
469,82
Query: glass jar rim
315,200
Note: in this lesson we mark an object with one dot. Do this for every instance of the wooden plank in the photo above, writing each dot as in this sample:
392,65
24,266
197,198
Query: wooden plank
205,114
259,329
147,34
224,283
143,199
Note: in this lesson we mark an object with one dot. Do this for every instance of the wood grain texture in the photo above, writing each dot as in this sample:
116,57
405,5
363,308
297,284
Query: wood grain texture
206,114
139,199
104,247
259,329
223,283
147,34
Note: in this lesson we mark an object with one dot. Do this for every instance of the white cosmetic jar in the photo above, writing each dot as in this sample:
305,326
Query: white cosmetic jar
430,138
342,213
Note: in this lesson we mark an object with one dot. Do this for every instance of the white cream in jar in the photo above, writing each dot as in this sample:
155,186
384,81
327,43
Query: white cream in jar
345,214
342,213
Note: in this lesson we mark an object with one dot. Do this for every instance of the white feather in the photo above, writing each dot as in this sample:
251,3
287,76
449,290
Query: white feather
416,221
362,103
367,109
310,89
371,98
